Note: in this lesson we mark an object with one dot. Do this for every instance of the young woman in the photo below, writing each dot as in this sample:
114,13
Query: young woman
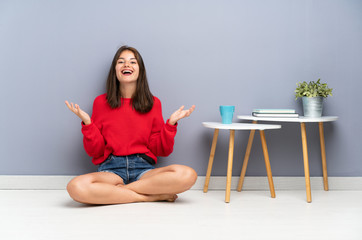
124,136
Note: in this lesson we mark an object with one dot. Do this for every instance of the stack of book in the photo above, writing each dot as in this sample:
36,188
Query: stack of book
278,113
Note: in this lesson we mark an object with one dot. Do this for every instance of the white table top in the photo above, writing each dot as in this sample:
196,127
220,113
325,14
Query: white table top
299,119
240,126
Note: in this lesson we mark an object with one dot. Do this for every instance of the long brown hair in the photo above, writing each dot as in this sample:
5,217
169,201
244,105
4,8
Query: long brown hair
142,99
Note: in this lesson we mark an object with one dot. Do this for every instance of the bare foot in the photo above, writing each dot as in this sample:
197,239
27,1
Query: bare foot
162,197
152,197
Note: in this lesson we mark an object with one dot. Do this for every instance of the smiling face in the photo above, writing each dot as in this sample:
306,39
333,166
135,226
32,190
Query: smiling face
127,68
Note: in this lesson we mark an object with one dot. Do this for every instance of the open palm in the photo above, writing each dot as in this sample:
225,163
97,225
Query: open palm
79,112
180,113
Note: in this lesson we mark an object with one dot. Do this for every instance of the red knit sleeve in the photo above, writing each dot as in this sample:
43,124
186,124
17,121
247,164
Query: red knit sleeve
93,140
162,135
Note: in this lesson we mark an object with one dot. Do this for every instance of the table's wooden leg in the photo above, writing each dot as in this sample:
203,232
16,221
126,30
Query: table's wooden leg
306,162
230,165
211,160
267,163
323,154
246,159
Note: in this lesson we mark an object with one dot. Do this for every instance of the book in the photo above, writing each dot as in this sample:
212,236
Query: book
274,110
280,115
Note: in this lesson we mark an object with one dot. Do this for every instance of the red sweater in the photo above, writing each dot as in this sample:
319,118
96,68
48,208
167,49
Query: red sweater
124,131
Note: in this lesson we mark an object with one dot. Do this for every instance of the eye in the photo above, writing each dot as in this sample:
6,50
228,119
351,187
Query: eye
133,62
120,62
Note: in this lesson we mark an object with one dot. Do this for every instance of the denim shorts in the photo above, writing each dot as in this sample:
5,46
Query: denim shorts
130,168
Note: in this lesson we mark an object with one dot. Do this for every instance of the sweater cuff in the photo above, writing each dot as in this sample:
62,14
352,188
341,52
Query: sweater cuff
171,127
86,127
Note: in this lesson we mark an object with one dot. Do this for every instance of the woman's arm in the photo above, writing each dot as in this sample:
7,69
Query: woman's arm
162,137
92,138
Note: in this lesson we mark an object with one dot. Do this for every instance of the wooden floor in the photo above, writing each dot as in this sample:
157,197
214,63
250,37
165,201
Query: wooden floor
51,214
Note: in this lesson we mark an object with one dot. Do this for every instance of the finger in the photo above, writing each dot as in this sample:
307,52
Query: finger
72,107
67,103
181,108
76,108
189,111
192,108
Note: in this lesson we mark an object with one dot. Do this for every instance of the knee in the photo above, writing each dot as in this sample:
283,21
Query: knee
77,188
187,176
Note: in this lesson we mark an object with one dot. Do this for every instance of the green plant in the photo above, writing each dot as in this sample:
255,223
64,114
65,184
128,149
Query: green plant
312,89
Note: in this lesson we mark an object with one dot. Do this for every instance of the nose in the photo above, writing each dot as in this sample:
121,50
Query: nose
126,63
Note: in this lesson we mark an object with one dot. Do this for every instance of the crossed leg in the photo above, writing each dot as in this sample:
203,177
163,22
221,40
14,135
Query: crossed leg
160,184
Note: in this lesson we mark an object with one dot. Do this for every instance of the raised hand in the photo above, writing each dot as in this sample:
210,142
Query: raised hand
79,112
180,113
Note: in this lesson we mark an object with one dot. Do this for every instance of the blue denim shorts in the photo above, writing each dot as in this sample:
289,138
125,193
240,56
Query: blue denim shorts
130,168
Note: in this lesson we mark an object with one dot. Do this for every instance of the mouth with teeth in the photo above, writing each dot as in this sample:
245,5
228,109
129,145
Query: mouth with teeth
127,72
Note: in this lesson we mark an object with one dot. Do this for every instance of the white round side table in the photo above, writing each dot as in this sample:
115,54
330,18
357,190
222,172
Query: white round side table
302,121
232,127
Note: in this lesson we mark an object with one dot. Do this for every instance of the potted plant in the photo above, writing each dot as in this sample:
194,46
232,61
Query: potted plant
312,95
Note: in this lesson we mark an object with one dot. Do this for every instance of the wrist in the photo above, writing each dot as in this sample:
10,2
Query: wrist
87,122
170,122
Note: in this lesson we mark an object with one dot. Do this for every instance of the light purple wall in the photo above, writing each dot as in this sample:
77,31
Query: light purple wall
246,53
